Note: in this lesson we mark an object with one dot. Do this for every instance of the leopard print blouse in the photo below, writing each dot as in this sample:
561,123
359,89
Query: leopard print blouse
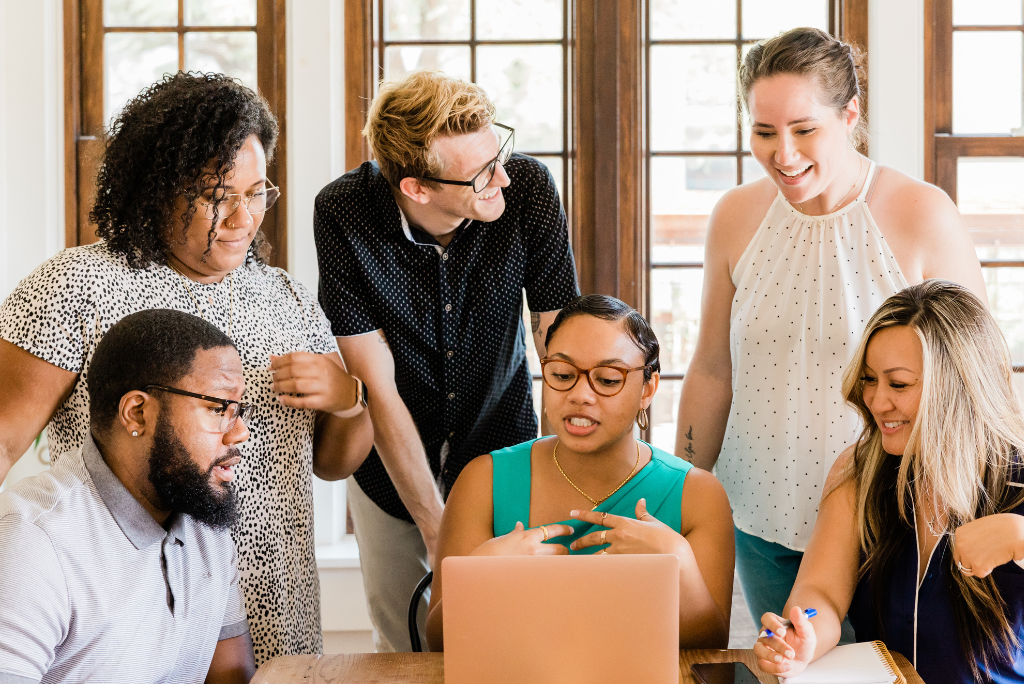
59,313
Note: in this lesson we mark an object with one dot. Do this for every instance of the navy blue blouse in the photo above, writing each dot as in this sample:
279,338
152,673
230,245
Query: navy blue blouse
926,633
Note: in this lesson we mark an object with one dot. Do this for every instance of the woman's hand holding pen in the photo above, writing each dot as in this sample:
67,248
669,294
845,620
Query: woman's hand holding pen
645,534
790,649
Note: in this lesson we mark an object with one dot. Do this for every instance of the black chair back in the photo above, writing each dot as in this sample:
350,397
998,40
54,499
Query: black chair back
414,608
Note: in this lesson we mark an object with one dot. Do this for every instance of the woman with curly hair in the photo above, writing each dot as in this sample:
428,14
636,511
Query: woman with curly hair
180,197
920,535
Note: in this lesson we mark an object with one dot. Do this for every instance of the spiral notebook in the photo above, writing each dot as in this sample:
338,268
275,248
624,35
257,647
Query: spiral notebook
864,663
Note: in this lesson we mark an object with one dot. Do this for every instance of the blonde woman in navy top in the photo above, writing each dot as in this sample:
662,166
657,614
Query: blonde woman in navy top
920,533
592,487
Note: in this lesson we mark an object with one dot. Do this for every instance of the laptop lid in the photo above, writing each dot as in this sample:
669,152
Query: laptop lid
565,619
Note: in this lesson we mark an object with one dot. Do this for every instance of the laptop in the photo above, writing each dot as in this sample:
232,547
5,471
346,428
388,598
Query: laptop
609,619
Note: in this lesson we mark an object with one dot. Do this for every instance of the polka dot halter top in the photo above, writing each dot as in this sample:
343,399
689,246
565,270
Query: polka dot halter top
806,286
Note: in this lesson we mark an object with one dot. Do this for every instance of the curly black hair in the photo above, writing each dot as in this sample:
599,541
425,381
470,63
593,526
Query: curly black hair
156,151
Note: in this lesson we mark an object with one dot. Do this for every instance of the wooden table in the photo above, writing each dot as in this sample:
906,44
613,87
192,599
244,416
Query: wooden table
428,668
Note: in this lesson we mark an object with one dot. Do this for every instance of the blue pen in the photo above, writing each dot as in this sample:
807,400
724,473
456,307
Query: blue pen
809,613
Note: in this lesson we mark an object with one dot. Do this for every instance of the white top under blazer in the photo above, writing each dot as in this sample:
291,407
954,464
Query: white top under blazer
806,287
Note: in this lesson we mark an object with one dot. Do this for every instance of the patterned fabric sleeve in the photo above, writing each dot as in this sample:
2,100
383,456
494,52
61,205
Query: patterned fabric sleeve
550,270
342,288
321,339
35,617
234,623
51,312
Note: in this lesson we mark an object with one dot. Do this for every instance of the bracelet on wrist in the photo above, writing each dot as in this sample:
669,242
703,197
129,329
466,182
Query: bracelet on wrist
359,404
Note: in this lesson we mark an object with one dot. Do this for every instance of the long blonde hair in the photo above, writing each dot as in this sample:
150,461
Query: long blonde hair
965,443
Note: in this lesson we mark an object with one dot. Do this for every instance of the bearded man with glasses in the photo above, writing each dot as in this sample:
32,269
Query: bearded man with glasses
181,195
117,563
424,257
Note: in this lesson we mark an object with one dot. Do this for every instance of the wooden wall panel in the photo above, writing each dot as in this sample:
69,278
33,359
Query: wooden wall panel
609,211
358,78
72,117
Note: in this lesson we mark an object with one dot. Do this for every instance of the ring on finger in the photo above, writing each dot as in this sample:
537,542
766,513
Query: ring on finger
604,536
603,516
603,552
544,529
964,570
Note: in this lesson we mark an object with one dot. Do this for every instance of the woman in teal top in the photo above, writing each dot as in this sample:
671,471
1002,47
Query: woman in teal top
591,487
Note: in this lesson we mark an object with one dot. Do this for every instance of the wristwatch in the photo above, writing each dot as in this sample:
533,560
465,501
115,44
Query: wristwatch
360,401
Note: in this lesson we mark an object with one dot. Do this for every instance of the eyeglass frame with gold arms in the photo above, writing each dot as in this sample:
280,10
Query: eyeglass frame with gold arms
245,409
586,371
491,166
244,199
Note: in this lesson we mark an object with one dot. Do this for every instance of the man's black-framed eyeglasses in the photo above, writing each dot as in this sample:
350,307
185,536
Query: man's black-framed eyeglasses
481,180
230,410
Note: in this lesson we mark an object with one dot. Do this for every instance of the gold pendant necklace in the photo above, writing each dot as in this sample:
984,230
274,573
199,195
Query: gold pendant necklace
597,502
231,296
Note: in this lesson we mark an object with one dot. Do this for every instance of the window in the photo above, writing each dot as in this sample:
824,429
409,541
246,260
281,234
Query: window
517,50
651,129
124,46
698,141
974,91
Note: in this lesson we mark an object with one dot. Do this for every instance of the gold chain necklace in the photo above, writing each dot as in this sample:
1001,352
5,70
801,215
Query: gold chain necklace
231,296
606,496
860,169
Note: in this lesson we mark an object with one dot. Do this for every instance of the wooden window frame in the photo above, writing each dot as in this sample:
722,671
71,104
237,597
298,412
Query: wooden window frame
942,147
83,112
847,19
381,43
608,196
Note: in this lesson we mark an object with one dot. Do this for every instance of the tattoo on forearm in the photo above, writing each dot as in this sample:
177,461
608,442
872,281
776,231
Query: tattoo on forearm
690,453
535,322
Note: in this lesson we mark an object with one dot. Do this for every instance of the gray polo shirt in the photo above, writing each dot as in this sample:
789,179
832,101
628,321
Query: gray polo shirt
93,589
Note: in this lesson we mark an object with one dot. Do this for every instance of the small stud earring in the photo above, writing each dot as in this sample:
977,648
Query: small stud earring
135,433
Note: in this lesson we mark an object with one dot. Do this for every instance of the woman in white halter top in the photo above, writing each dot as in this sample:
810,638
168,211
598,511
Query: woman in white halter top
796,264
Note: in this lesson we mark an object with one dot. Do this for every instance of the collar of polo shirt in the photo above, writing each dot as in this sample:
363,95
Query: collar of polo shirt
134,520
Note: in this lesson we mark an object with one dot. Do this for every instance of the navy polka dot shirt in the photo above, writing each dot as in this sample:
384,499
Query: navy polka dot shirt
452,317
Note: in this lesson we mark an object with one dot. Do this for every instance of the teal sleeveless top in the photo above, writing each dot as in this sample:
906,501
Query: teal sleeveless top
660,482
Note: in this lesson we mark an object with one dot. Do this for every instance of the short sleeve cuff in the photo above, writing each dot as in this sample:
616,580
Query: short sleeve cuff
52,356
231,631
11,678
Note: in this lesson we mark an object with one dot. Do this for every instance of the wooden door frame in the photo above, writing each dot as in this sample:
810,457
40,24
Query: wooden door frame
83,114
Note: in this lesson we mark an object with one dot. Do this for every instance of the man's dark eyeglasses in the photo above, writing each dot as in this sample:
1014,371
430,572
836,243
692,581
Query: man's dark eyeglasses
230,410
483,179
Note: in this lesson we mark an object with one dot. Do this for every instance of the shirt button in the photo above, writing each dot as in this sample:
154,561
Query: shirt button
445,256
451,395
450,353
447,307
